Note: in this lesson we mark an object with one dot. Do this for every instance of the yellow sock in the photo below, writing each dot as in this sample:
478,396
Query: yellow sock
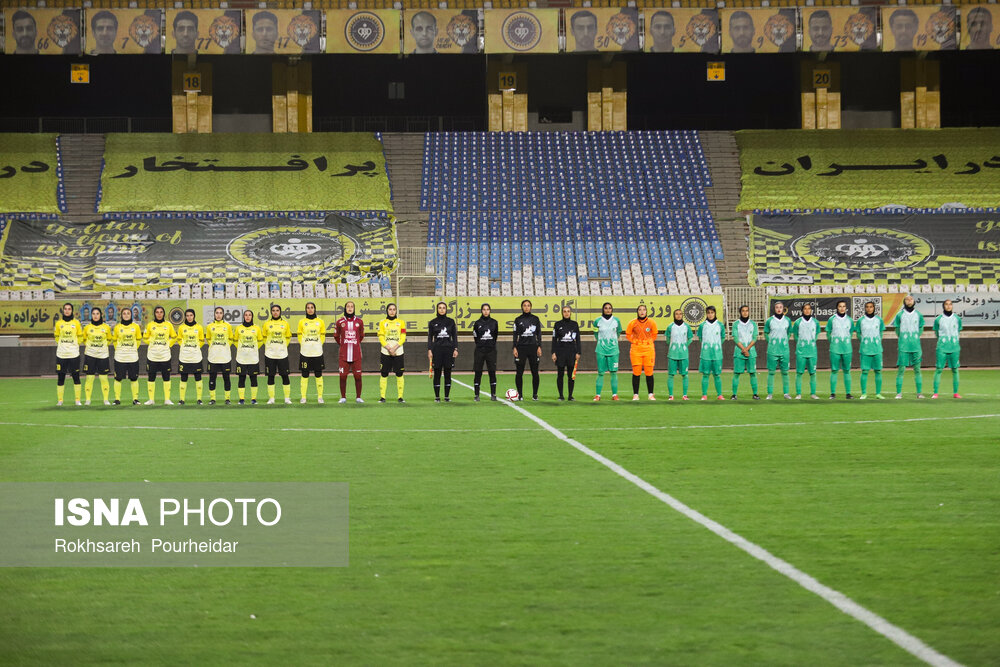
182,389
242,393
253,393
151,390
303,387
270,391
76,391
60,391
199,387
227,394
135,389
89,387
211,394
382,384
118,390
319,387
105,386
166,390
399,386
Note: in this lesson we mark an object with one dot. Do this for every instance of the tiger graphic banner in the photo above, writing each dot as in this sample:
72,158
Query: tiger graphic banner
676,30
362,31
923,28
272,31
440,31
32,31
826,29
522,30
153,252
602,29
761,30
209,31
123,31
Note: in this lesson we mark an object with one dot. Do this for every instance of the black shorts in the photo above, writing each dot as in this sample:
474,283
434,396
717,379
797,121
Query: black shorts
279,366
565,359
95,366
390,364
443,357
223,368
248,369
126,369
311,364
485,356
157,367
71,365
191,367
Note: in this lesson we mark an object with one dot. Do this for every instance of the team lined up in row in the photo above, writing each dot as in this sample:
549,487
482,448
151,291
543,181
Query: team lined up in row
442,350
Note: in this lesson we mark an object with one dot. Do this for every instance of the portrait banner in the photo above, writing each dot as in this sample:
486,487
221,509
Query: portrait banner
123,31
440,31
329,171
522,30
28,179
826,29
364,31
48,32
602,29
858,169
762,30
977,28
153,252
919,28
209,31
272,31
681,30
837,249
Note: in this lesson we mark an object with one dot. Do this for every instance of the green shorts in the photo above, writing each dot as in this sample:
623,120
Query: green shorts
803,364
774,362
675,366
840,362
712,366
871,362
607,363
904,359
947,359
743,364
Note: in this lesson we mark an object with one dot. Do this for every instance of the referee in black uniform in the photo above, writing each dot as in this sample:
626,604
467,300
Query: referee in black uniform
566,349
442,348
527,349
484,332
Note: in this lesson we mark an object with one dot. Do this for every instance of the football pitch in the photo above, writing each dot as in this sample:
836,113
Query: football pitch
550,533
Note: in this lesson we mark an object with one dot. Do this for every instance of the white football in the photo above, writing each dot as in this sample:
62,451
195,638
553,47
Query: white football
512,394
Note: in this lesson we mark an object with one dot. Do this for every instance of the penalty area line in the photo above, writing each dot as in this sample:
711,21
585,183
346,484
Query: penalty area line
893,633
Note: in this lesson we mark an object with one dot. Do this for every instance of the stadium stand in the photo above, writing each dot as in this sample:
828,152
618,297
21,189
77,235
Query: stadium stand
579,213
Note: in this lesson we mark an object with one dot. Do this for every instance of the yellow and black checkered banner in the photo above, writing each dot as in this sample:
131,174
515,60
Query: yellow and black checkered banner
826,29
29,182
152,252
123,31
211,31
762,30
671,30
522,30
31,31
362,31
272,31
977,28
602,29
837,249
923,28
440,31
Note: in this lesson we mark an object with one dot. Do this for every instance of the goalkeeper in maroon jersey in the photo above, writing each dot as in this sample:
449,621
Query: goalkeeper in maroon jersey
350,331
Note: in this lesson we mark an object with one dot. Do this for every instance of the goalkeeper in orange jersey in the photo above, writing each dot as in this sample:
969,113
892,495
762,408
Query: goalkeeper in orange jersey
641,333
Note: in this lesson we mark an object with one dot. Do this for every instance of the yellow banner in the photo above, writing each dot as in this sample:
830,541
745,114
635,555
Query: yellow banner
925,28
123,31
42,31
522,30
682,31
39,317
838,29
211,31
283,31
762,30
977,28
440,31
602,29
367,31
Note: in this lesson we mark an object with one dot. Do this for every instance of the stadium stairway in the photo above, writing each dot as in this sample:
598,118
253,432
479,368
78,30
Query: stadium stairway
404,156
81,162
722,155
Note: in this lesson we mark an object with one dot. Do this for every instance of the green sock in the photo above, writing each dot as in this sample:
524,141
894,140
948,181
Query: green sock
784,382
812,384
704,384
919,380
954,380
878,382
798,383
670,384
937,379
614,383
600,384
770,382
718,385
899,380
864,382
684,383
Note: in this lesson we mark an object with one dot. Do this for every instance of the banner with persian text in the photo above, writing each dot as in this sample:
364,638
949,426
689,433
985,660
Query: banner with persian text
28,178
977,309
152,252
329,171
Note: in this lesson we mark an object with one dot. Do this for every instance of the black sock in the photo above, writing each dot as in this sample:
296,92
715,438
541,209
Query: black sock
649,383
635,384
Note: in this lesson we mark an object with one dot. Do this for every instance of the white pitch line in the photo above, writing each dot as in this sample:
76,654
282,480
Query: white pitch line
273,430
822,423
893,633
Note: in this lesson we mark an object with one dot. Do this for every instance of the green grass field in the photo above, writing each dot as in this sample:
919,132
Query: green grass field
479,538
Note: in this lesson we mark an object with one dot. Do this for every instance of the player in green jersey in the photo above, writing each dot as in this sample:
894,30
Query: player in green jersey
711,333
607,329
947,326
745,352
838,332
909,323
806,331
869,328
679,336
776,334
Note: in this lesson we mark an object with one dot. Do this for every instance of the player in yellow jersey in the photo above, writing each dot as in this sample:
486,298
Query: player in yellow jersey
96,358
69,337
126,338
312,335
160,337
190,336
248,338
220,353
391,336
277,334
